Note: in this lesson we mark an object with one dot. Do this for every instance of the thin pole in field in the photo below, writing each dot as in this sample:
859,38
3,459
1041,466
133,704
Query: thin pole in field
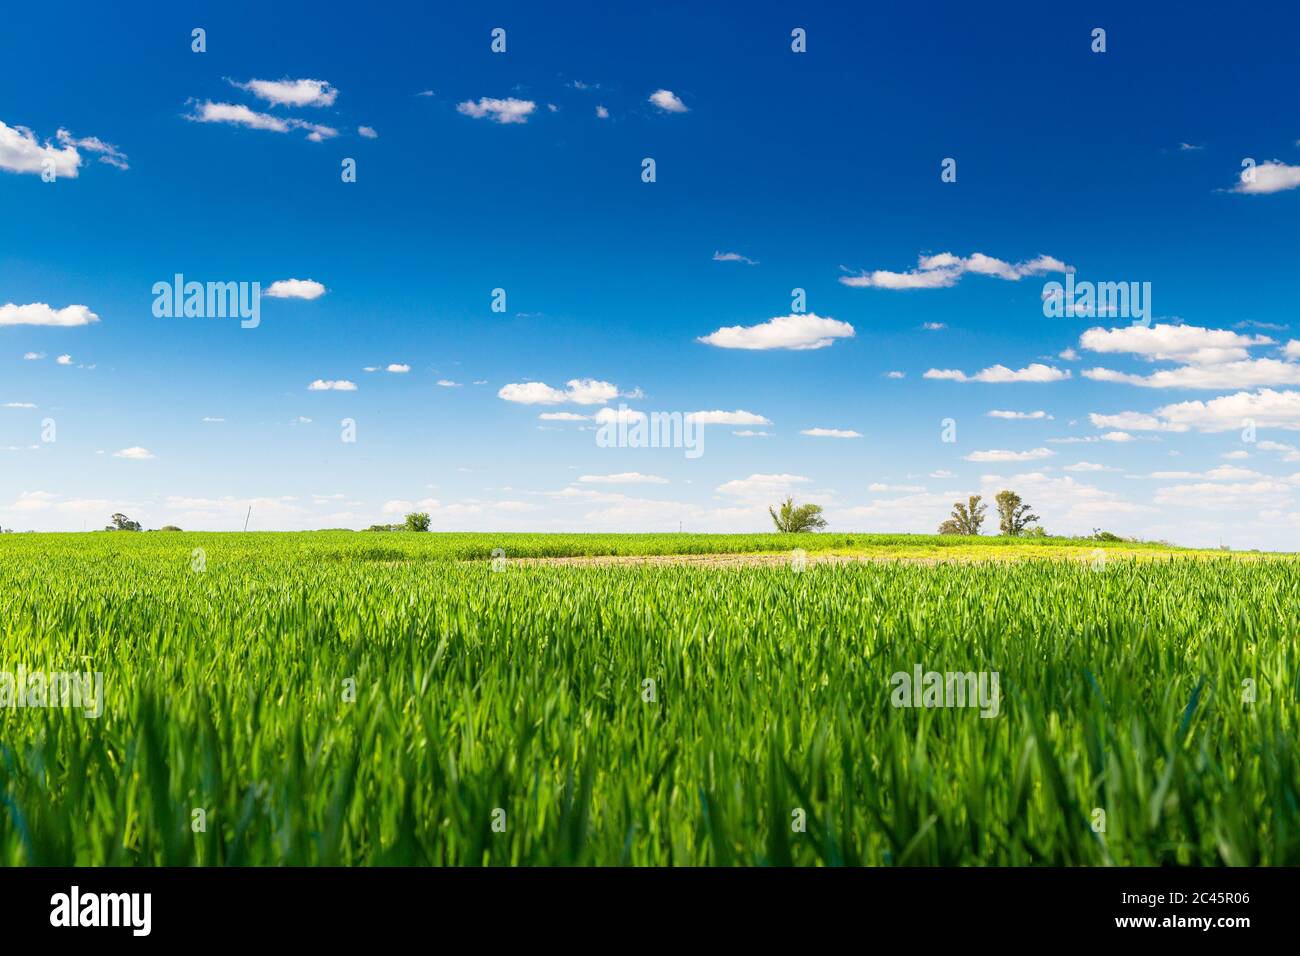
247,516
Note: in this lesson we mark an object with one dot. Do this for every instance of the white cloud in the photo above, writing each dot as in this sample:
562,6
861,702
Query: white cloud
1000,455
368,132
1250,373
21,153
602,113
945,269
287,92
618,416
109,154
1222,473
398,368
830,433
717,417
294,289
17,405
1177,343
580,391
64,360
1068,355
562,417
1135,421
1019,416
447,383
508,110
1209,496
1087,466
668,101
1035,372
895,374
623,478
733,257
933,326
135,453
1266,408
38,313
330,385
761,486
750,433
799,331
238,114
1269,177
33,356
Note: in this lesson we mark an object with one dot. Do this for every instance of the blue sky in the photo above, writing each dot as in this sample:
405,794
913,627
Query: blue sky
522,171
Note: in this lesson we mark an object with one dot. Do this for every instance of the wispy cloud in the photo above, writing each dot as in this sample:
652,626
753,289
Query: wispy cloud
945,269
1035,372
733,257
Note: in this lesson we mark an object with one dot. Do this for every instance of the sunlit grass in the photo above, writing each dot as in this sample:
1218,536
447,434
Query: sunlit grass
524,690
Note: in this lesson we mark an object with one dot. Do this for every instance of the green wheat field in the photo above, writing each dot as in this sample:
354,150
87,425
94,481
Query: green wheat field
354,698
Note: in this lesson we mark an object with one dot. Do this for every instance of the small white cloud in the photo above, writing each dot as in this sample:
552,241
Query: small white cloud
368,132
580,391
562,417
294,289
398,369
38,313
508,110
830,433
934,326
798,332
944,269
999,413
135,453
33,356
64,360
1035,372
733,257
17,405
447,383
718,417
668,101
602,113
332,385
623,478
895,374
1000,455
212,420
287,92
